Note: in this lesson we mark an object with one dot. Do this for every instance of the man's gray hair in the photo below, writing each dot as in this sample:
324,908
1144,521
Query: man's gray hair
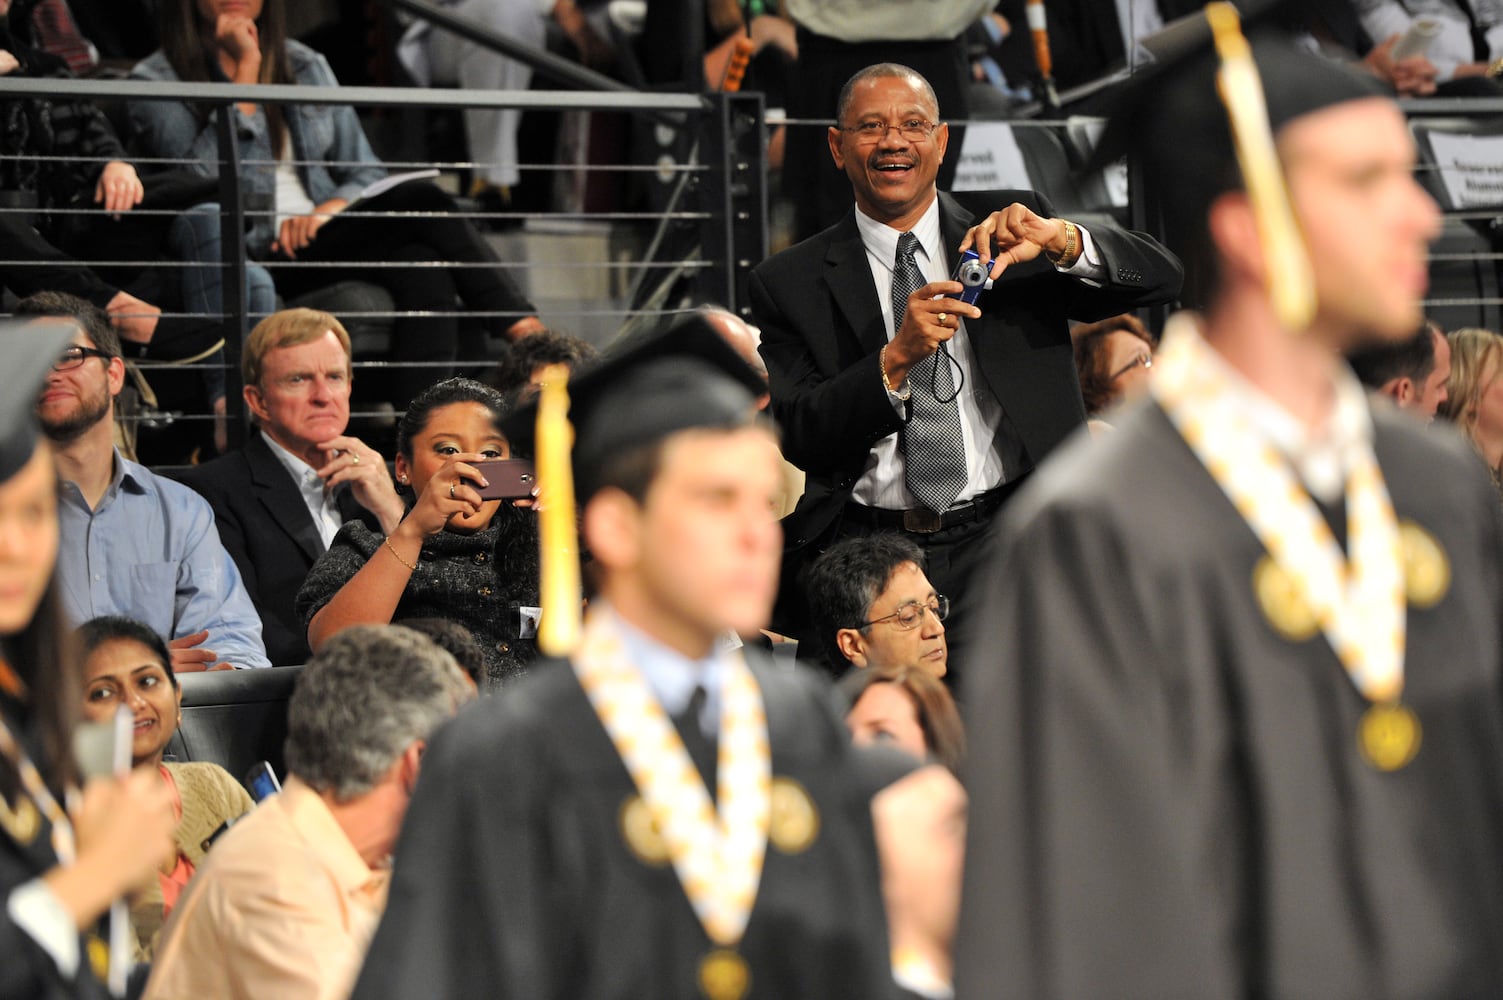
362,700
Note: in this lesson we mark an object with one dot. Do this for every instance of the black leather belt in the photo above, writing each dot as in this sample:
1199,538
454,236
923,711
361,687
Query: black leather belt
923,521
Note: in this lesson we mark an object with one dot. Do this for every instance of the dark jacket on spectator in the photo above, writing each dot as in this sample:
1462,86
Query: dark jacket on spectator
476,580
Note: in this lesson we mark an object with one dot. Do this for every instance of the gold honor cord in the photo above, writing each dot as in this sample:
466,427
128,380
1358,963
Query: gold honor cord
1286,261
558,532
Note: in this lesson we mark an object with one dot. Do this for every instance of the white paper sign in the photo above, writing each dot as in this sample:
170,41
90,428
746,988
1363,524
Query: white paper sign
990,159
1471,168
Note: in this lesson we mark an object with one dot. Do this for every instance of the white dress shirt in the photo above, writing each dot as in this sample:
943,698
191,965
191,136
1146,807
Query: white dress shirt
994,453
318,500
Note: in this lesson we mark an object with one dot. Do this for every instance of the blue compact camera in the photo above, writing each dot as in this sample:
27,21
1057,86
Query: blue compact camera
971,273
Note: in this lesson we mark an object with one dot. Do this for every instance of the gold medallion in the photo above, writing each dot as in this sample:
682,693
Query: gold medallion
1427,571
99,957
642,833
794,822
723,975
22,822
1388,736
1282,604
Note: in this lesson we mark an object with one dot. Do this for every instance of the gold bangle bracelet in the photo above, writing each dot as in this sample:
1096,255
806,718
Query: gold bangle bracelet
886,382
411,567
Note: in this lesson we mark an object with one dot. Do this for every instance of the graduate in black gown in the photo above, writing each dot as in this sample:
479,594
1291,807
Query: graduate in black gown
561,842
61,863
1240,732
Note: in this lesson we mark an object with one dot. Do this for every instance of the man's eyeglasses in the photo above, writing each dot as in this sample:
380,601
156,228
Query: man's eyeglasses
74,356
914,130
1146,360
910,616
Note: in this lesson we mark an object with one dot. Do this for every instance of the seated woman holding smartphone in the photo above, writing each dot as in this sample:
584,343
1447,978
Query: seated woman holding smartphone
455,554
126,663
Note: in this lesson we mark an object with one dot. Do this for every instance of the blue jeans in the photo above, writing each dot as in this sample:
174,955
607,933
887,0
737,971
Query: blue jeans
194,239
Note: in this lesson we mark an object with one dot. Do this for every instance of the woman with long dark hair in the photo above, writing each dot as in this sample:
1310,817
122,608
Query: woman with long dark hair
454,555
304,165
65,854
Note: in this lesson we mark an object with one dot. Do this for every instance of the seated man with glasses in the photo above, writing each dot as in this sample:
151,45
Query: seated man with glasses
132,543
874,607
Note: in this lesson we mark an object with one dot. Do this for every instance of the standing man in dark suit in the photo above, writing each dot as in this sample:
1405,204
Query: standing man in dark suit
908,409
279,501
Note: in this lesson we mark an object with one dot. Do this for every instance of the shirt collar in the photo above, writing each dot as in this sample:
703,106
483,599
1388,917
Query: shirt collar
673,676
1319,458
310,816
301,472
881,239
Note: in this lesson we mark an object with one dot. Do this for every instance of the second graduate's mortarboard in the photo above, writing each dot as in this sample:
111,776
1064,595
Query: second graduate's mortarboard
1173,119
27,353
684,378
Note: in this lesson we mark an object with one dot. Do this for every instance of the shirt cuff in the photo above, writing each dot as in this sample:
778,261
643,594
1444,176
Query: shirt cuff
1088,264
34,908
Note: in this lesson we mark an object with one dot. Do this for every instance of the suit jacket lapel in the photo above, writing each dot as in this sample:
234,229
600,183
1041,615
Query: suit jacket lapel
851,283
278,493
954,220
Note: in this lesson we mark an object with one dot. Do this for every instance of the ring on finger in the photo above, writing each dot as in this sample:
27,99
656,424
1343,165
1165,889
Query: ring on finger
451,490
943,317
354,459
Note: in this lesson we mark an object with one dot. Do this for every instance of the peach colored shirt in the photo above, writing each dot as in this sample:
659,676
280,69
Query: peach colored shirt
282,907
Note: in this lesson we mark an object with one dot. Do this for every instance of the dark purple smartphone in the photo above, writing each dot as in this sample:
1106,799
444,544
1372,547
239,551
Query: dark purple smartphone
509,478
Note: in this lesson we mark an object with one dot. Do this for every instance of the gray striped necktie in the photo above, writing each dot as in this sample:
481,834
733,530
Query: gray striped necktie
933,444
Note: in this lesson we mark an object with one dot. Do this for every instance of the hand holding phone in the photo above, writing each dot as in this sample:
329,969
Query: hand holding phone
509,478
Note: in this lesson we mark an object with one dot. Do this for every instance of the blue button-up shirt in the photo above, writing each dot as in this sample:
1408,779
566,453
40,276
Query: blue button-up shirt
673,676
151,551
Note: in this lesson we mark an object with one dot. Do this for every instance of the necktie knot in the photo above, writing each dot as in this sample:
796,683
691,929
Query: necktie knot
908,245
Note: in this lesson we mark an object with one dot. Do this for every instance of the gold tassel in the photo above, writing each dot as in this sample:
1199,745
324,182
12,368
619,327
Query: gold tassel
1291,283
558,532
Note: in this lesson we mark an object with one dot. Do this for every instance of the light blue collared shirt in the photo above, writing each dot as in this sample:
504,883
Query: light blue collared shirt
673,676
151,551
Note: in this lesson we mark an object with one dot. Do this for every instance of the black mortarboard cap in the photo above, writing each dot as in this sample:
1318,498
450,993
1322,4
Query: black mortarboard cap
1170,116
641,392
27,352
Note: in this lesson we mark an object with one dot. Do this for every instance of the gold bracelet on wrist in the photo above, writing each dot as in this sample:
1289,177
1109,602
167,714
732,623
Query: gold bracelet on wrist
1494,69
886,382
411,567
1067,257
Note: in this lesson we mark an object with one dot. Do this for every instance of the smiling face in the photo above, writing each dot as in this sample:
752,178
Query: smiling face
456,429
75,401
126,672
892,176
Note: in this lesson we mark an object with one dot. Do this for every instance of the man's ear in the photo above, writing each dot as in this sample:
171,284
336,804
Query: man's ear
410,764
256,403
836,153
1403,390
852,645
613,528
1234,235
115,376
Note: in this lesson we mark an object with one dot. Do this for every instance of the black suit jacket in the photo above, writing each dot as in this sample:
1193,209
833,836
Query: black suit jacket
822,329
268,531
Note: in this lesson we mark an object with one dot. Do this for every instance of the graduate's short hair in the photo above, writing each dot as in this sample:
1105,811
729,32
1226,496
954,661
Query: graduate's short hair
938,717
1413,359
547,347
362,700
847,578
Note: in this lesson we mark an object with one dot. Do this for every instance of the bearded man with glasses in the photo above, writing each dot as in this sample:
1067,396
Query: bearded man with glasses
908,409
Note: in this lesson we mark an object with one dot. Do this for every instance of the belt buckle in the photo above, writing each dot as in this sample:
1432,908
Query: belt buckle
922,521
